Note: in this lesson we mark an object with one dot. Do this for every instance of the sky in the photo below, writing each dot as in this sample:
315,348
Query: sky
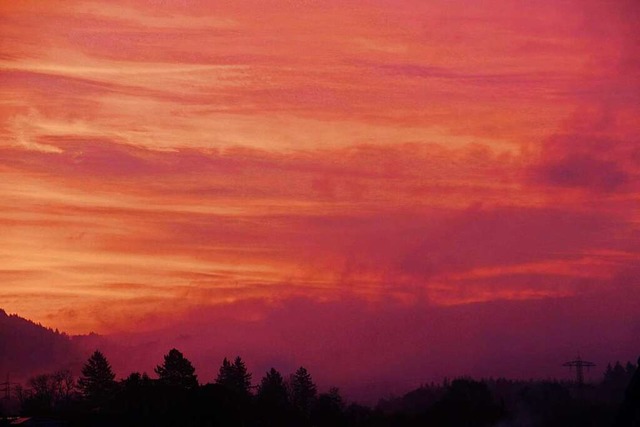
412,188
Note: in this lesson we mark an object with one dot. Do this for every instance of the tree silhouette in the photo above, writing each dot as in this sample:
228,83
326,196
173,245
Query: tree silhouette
629,413
43,390
272,388
630,368
98,380
333,398
303,390
136,379
466,403
177,370
65,384
234,376
329,408
272,399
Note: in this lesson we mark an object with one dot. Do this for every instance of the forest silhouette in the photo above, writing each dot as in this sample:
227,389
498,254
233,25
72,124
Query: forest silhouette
175,397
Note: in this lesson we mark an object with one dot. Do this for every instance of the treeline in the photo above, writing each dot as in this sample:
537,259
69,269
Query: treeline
175,397
515,403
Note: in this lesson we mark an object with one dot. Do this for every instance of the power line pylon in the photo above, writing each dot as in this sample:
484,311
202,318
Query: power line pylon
7,388
579,364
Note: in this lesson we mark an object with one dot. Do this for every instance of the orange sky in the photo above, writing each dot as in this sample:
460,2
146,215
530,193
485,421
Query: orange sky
158,157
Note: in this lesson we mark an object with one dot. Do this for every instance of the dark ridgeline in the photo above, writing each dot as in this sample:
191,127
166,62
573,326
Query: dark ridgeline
175,398
27,347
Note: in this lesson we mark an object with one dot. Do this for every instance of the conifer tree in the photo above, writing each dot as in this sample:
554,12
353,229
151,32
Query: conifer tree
329,408
242,377
273,401
177,370
234,376
303,390
225,373
97,381
272,388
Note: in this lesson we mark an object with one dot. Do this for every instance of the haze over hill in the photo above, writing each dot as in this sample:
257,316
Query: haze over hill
368,350
27,348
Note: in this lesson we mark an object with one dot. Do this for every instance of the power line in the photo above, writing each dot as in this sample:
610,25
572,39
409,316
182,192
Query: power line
579,364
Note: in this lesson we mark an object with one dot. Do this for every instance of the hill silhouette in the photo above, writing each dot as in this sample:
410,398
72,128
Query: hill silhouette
27,347
54,378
